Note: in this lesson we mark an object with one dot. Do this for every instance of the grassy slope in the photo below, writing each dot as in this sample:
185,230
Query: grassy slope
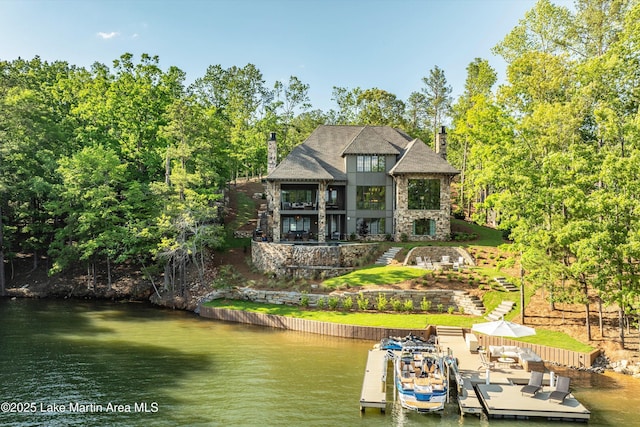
376,275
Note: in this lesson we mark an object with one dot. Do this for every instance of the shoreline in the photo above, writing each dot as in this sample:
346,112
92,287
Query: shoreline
197,295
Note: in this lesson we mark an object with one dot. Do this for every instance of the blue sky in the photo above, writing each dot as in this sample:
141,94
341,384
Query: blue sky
386,44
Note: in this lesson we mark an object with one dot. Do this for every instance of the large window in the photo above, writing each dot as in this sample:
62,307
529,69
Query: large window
424,227
371,198
297,196
370,163
297,223
366,226
424,194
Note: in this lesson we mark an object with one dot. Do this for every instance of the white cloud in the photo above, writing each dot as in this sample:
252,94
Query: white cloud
107,36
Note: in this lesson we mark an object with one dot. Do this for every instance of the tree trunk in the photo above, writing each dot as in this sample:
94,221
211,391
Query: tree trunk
600,320
109,272
621,325
462,176
2,282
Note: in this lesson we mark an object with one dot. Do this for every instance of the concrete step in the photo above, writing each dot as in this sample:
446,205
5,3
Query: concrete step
452,331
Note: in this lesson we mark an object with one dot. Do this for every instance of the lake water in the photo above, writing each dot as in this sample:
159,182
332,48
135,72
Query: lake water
93,363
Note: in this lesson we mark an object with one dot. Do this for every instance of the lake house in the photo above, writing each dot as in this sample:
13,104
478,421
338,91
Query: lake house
365,182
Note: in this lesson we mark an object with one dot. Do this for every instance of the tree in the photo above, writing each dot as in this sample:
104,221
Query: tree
438,98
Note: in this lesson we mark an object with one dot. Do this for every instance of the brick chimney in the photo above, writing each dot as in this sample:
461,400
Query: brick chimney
441,143
272,153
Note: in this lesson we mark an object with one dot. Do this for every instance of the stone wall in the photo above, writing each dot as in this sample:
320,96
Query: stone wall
288,260
404,217
435,254
444,297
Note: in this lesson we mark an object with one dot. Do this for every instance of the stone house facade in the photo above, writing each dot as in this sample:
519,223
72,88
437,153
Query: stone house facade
369,182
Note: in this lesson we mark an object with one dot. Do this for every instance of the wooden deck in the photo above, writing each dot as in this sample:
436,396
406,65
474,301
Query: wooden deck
499,396
506,401
374,385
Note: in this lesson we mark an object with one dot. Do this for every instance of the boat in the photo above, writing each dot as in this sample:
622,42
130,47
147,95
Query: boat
421,375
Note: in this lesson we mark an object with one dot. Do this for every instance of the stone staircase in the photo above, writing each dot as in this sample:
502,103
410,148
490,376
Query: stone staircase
500,311
390,254
509,287
470,303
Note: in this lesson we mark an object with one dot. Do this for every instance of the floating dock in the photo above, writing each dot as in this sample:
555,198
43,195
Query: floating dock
497,396
374,385
506,401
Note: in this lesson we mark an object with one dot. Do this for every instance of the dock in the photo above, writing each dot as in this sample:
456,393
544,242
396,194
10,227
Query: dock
499,395
374,385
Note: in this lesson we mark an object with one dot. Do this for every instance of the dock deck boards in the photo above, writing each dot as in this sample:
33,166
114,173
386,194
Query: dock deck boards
374,386
502,398
506,401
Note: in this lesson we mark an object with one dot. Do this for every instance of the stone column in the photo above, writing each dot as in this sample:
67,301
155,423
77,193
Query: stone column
275,226
322,210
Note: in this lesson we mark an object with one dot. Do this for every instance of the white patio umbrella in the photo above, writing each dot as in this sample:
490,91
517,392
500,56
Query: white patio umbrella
503,328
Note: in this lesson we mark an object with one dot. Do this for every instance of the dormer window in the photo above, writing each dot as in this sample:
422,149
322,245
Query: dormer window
370,163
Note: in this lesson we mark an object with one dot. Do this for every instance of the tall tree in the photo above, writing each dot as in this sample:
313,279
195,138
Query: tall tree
438,99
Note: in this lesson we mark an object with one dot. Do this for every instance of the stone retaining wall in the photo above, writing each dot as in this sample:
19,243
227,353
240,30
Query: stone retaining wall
321,261
448,298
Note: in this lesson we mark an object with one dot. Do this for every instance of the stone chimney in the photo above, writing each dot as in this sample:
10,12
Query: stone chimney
272,153
441,143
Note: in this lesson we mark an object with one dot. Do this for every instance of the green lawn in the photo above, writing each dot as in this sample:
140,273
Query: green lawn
395,320
375,275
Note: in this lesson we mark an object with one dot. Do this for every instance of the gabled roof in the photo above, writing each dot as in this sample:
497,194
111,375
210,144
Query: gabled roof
320,156
368,141
418,158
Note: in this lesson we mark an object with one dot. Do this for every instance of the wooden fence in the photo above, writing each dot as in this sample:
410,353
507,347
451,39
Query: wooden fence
371,333
569,358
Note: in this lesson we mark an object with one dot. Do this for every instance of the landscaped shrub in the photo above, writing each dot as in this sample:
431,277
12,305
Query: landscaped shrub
304,299
381,302
333,302
440,308
404,237
396,304
408,305
451,309
363,303
461,310
425,304
347,303
321,303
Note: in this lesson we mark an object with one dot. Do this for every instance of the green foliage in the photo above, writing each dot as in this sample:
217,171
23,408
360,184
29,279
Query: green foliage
381,302
408,305
425,304
363,302
440,308
396,304
333,302
451,309
304,299
347,302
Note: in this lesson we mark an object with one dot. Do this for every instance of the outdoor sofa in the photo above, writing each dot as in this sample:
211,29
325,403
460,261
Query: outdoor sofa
525,357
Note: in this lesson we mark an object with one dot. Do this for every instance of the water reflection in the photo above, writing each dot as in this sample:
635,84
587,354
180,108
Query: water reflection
201,372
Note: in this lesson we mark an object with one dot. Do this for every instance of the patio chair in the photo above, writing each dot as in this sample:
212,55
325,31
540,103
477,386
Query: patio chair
484,363
562,389
535,384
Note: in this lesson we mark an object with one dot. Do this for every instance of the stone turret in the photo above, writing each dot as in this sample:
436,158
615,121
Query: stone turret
441,143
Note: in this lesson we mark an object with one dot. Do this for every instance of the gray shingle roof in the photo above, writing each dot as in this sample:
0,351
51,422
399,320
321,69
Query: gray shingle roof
418,158
320,156
369,141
